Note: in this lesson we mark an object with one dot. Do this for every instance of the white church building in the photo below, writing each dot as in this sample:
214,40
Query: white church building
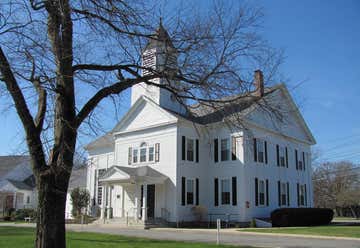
163,162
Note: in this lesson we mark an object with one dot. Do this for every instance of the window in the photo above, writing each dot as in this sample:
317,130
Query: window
151,153
135,155
282,156
28,200
260,151
190,149
190,192
143,154
302,195
225,149
283,193
262,192
99,195
225,191
300,164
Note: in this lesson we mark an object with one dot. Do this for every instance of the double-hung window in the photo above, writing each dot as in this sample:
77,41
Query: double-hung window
302,195
143,154
283,193
135,155
225,191
261,192
282,161
225,149
190,149
190,191
151,154
260,151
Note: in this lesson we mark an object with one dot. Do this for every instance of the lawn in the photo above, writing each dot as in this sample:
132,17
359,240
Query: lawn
332,231
15,237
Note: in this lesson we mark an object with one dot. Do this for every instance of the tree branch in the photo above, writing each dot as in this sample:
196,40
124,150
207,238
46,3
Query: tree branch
16,93
32,133
115,88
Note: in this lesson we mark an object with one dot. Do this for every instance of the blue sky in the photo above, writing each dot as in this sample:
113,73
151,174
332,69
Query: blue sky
321,40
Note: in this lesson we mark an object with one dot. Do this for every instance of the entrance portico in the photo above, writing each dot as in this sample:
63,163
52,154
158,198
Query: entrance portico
136,192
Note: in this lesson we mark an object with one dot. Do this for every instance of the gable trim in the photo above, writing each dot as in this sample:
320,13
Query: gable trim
311,140
132,109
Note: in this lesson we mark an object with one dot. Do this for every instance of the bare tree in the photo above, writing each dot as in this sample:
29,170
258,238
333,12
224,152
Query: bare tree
337,186
59,60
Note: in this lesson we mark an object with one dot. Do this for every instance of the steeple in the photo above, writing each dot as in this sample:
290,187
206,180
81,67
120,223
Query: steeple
159,54
161,36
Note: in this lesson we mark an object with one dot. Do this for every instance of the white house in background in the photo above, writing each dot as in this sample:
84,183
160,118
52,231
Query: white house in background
17,184
161,160
77,180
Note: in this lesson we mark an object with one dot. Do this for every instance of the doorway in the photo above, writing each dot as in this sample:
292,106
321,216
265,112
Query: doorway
150,200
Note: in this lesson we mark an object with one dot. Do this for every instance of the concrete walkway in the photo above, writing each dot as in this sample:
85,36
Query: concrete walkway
228,236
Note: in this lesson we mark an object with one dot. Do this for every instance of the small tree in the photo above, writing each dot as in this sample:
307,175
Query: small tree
80,199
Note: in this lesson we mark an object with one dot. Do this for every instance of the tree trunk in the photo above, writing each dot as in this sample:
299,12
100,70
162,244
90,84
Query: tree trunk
50,228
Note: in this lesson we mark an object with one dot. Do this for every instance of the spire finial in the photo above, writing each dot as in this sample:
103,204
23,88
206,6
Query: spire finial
160,21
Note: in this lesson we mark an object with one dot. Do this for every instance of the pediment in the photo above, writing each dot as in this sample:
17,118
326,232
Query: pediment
287,120
144,114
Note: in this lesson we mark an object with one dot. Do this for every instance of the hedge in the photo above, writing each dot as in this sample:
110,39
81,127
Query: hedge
283,217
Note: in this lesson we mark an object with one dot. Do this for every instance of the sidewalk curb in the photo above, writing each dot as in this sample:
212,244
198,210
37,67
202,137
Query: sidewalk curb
299,236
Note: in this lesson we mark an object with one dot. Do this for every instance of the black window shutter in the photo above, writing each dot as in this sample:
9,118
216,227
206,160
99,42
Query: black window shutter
216,192
183,184
157,152
267,192
234,191
255,150
130,155
197,190
183,152
233,148
256,192
303,157
286,157
305,195
197,151
296,159
277,155
288,193
298,194
279,193
216,150
266,155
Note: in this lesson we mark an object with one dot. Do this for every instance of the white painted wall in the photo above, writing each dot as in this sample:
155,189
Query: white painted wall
151,125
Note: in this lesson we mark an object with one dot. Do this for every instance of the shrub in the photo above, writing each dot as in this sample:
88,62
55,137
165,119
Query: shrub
20,214
80,199
283,217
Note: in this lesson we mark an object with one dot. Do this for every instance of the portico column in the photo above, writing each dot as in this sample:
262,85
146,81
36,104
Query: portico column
122,201
108,191
144,208
102,216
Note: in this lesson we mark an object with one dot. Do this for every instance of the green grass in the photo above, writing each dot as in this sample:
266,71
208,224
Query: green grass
333,231
15,237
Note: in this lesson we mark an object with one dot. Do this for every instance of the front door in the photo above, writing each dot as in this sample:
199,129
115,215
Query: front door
150,200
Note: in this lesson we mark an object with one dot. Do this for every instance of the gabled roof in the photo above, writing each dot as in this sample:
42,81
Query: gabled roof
139,101
103,141
203,114
8,163
108,139
20,185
